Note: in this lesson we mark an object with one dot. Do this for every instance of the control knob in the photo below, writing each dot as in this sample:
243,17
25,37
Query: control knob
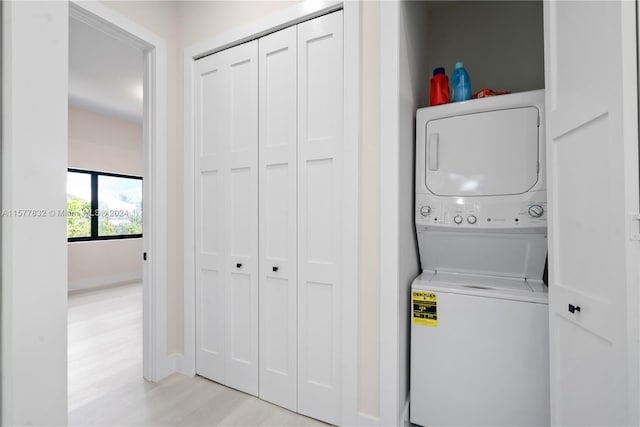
536,211
425,210
471,219
457,219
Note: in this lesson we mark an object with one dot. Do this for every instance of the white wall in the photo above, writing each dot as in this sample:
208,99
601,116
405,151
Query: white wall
200,20
105,144
369,248
500,42
104,262
34,255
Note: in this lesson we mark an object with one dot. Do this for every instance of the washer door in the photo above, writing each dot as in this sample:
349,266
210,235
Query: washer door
483,154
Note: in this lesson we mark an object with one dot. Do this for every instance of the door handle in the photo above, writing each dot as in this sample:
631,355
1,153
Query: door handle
238,265
433,148
275,268
574,308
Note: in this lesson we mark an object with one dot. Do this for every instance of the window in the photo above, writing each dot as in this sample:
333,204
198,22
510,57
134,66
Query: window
102,206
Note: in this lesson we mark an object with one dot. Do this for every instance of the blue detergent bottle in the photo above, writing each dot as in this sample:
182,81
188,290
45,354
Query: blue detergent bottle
461,83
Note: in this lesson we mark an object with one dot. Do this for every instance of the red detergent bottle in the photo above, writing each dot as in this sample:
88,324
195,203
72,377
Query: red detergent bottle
439,87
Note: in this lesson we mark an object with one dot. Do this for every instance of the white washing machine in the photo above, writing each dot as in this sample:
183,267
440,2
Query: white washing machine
479,327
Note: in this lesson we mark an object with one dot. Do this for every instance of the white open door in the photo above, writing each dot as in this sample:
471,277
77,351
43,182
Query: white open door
592,137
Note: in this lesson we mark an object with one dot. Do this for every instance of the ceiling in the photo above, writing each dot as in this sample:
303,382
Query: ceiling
105,74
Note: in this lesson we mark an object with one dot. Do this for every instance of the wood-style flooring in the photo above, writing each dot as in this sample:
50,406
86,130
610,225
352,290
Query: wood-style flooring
105,375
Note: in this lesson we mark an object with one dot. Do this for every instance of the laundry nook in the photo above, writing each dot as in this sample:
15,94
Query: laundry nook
480,328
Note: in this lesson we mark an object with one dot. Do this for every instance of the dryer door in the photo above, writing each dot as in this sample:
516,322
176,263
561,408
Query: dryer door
483,154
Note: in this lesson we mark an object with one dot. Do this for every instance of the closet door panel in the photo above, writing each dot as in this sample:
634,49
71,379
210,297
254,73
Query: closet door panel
319,202
592,148
278,293
320,124
243,100
241,317
210,214
238,324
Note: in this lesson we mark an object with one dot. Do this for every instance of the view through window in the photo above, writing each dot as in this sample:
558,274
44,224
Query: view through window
103,206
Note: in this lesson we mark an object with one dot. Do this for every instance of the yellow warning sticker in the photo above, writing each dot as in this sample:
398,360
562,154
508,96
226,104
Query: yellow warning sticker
425,308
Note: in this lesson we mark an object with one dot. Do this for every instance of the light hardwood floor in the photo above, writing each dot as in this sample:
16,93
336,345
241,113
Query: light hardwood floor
105,375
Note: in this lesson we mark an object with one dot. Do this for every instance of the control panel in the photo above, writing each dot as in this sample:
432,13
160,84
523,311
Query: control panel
489,212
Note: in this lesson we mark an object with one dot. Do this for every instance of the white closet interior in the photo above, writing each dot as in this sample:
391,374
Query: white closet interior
592,154
269,136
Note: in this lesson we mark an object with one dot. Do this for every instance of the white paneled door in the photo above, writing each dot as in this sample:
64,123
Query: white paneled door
591,75
278,218
320,136
211,135
226,87
269,143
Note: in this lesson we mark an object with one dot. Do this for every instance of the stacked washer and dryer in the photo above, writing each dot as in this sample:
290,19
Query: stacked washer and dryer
479,329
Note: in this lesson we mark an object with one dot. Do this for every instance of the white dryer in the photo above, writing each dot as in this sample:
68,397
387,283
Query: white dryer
479,327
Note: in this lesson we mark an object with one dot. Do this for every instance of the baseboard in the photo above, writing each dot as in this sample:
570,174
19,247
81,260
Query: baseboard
405,412
163,367
167,366
104,281
184,365
367,420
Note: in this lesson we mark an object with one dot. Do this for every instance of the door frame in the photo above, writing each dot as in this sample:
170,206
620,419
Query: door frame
156,364
394,401
186,363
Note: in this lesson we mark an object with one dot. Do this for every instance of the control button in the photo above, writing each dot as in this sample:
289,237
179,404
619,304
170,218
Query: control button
457,219
471,219
425,210
536,211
